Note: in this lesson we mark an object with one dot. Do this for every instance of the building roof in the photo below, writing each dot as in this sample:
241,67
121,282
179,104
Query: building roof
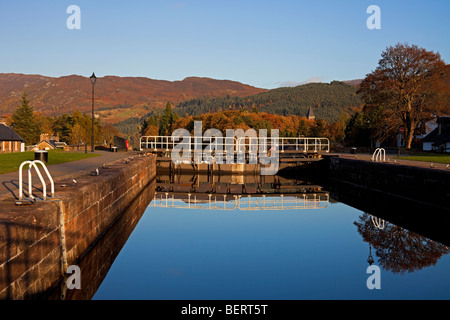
436,138
50,143
442,138
7,134
310,113
431,137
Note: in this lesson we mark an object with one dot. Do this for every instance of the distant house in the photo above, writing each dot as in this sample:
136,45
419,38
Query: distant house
438,139
43,145
48,142
425,128
310,114
10,141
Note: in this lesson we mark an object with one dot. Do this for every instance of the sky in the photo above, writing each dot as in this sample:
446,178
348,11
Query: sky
266,44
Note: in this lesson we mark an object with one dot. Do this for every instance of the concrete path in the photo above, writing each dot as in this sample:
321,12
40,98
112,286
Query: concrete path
391,159
9,182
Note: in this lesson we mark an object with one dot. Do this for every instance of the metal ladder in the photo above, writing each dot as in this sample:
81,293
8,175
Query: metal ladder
379,155
33,164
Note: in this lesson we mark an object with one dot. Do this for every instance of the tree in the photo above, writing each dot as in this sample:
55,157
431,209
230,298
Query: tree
149,127
319,129
405,84
25,122
62,127
357,132
78,135
107,133
167,120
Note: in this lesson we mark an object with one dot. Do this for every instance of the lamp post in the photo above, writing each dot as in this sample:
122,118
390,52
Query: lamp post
12,137
370,134
93,80
373,86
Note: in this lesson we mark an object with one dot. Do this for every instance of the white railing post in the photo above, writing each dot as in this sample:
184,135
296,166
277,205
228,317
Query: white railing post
21,179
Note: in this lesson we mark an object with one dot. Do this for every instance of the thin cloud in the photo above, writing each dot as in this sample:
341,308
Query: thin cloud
290,83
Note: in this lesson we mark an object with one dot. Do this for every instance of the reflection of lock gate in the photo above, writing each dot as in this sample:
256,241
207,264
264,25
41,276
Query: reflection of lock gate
33,164
241,202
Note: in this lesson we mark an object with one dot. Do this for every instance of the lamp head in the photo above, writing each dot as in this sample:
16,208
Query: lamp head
93,79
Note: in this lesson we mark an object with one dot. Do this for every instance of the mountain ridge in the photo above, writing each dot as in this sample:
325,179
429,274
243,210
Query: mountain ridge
116,98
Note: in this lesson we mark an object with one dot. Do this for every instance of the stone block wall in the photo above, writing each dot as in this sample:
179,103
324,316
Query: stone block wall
31,249
415,183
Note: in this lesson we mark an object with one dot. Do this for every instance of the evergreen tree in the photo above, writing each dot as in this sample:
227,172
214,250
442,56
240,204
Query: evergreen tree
25,123
167,120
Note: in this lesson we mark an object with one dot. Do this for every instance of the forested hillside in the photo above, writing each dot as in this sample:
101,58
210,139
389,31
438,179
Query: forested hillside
329,101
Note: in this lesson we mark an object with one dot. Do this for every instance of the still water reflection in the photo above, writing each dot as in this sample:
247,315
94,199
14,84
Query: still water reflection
270,238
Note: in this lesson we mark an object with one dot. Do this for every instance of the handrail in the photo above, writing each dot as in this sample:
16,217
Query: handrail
303,144
380,154
311,144
52,184
33,164
168,142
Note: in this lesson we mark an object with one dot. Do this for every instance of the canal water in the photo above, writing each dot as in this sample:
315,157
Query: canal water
290,240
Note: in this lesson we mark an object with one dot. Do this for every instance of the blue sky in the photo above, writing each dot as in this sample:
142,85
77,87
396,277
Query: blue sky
262,43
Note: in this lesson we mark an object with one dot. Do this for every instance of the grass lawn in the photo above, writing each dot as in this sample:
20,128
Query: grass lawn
10,162
436,158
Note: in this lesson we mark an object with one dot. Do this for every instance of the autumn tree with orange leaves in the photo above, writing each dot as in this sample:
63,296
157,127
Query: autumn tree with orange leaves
408,87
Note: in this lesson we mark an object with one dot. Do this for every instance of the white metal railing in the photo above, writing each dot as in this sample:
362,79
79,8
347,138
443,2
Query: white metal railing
236,144
243,203
301,144
379,155
167,143
33,164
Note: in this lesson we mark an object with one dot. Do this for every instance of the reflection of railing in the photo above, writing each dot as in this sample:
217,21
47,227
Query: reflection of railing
241,202
33,164
214,202
282,202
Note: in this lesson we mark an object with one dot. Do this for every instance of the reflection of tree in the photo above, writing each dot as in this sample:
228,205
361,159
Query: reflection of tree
399,250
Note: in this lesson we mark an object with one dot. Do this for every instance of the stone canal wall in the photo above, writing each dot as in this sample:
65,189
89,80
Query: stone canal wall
38,242
414,183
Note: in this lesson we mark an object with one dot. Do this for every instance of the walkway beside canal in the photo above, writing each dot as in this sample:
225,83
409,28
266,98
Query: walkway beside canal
391,159
9,182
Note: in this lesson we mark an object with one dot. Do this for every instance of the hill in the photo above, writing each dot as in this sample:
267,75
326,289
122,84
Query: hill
328,100
116,98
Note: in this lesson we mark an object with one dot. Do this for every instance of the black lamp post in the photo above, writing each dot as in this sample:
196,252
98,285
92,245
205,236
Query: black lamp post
373,86
370,134
12,137
93,80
